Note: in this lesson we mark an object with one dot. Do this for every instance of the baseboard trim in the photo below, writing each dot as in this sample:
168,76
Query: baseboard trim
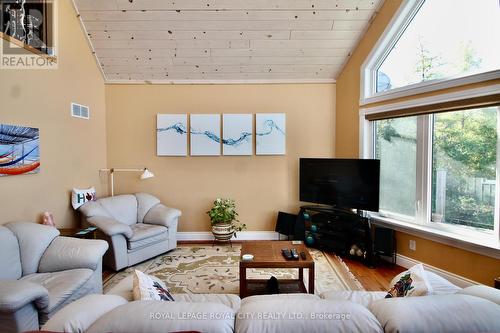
242,235
458,280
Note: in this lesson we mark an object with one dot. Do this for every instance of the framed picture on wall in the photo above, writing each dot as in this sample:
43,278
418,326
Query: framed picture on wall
237,134
19,150
270,133
171,134
205,134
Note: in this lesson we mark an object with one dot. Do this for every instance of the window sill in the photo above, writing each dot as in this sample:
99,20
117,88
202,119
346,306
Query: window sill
483,246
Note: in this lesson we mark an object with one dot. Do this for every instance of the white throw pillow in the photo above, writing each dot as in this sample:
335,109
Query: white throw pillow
149,288
413,282
81,196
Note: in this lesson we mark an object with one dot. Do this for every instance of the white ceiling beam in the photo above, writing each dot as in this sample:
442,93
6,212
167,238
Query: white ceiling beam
220,15
225,4
338,35
304,52
259,60
216,76
210,25
179,35
289,68
166,44
296,44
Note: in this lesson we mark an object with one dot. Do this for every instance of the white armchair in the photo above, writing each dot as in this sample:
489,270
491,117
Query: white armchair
137,227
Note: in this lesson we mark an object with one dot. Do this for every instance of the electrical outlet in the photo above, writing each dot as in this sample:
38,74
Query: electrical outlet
413,245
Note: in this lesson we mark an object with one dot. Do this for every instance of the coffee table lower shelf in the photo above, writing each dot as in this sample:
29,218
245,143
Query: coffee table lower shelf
286,286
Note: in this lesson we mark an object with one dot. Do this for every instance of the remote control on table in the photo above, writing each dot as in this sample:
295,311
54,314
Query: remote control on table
286,253
295,255
303,255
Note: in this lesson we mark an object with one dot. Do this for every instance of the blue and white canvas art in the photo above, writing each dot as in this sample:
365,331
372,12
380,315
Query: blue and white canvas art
237,134
270,133
205,134
171,134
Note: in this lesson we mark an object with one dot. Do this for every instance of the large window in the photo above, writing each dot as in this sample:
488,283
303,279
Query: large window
439,169
434,41
439,152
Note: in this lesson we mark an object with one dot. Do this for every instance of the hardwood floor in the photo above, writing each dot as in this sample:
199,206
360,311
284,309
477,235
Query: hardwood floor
374,279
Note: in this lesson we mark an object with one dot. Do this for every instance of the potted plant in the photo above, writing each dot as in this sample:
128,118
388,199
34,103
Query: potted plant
223,217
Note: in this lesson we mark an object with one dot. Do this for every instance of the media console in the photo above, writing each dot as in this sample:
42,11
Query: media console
343,232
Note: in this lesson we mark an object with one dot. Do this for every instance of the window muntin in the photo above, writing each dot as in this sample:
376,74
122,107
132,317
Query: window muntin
446,38
396,147
464,158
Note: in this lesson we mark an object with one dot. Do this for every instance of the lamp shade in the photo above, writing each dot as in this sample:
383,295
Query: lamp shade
147,174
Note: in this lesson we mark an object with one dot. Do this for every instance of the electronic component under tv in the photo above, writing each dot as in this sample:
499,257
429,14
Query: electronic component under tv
341,183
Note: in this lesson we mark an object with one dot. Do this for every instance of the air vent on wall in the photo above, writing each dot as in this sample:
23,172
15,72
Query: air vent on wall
80,111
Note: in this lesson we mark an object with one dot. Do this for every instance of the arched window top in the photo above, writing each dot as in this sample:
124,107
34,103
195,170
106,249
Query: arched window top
434,44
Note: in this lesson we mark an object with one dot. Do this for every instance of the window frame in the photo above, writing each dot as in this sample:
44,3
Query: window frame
396,27
423,225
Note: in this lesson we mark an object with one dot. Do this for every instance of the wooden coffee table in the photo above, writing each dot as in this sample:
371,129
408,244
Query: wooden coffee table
267,254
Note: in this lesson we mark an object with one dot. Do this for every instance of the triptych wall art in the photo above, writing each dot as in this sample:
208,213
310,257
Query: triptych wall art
205,134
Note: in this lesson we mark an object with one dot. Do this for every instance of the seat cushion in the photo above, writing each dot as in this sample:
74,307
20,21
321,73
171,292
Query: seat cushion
489,293
284,314
437,313
146,234
232,301
60,285
364,298
160,317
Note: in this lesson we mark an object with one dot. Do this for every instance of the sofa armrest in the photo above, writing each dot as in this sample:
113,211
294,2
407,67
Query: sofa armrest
110,227
162,215
81,314
70,253
14,294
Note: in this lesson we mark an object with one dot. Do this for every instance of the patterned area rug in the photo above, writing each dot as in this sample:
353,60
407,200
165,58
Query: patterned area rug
203,269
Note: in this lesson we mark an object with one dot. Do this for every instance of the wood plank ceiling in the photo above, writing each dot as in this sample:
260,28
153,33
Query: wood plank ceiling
224,41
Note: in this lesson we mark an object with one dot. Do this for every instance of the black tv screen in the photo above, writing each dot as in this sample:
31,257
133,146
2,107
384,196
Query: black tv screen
342,183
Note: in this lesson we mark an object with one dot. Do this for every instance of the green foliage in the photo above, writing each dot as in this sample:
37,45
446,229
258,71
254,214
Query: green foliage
427,64
470,60
223,211
469,139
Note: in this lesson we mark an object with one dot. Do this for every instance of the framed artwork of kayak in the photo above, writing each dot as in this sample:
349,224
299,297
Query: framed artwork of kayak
19,150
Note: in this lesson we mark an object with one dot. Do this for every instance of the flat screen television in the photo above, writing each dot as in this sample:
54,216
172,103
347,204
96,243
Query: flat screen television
341,183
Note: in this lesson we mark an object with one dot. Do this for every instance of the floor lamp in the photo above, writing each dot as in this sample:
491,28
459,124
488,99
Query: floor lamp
145,175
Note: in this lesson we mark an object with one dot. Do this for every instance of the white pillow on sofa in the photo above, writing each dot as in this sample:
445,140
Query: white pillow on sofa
438,284
149,288
412,282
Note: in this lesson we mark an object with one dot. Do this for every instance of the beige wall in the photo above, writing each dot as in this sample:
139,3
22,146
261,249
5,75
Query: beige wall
261,185
479,268
72,150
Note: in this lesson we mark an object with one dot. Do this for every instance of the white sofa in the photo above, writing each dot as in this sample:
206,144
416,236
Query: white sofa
473,309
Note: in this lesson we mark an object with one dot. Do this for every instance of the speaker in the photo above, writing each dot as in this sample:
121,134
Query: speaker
384,241
285,223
